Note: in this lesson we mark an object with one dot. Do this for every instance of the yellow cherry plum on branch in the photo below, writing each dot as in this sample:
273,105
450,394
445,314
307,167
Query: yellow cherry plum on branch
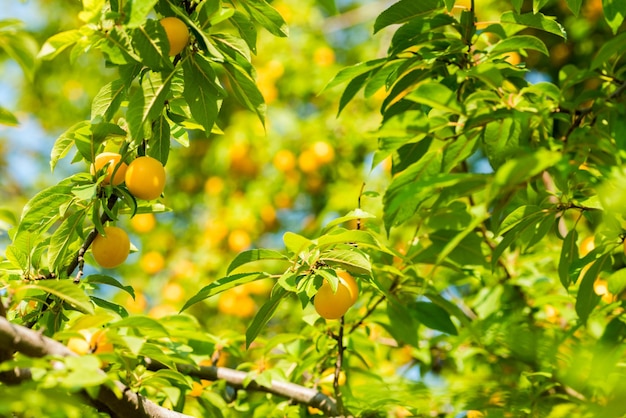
331,304
115,167
111,249
145,178
177,34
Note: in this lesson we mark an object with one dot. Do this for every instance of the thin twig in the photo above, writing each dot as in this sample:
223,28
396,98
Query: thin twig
338,366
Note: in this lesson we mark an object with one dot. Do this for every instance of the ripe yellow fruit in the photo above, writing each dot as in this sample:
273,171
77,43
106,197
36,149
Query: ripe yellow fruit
112,249
173,292
332,305
324,56
79,345
152,262
100,343
177,34
284,161
587,245
145,178
115,167
323,152
143,222
236,304
238,240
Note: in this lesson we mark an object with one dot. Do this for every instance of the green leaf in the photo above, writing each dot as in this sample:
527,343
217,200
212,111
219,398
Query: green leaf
58,43
267,17
437,96
610,48
355,237
80,131
614,13
250,256
519,43
65,290
143,324
525,167
517,5
113,307
296,244
354,71
108,100
22,48
617,282
160,140
352,261
220,285
202,91
587,299
514,218
19,252
406,10
150,42
63,240
433,316
402,326
264,314
7,118
574,5
43,209
136,12
535,21
354,86
245,89
350,216
569,253
147,102
109,281
245,28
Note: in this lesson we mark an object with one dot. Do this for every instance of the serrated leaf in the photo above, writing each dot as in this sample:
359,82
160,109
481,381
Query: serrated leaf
535,21
519,43
147,102
345,236
350,216
264,314
65,290
352,261
253,255
405,10
220,285
109,281
433,316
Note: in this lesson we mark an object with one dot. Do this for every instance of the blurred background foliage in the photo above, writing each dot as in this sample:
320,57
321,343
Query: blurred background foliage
248,186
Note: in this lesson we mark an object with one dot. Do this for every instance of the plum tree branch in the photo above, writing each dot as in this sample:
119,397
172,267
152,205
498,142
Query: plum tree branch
237,379
15,337
33,344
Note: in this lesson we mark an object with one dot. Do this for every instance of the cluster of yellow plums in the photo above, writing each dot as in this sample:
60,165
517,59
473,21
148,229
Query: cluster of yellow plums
145,179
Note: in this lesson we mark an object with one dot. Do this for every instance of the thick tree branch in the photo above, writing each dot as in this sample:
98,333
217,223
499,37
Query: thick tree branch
33,344
236,379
